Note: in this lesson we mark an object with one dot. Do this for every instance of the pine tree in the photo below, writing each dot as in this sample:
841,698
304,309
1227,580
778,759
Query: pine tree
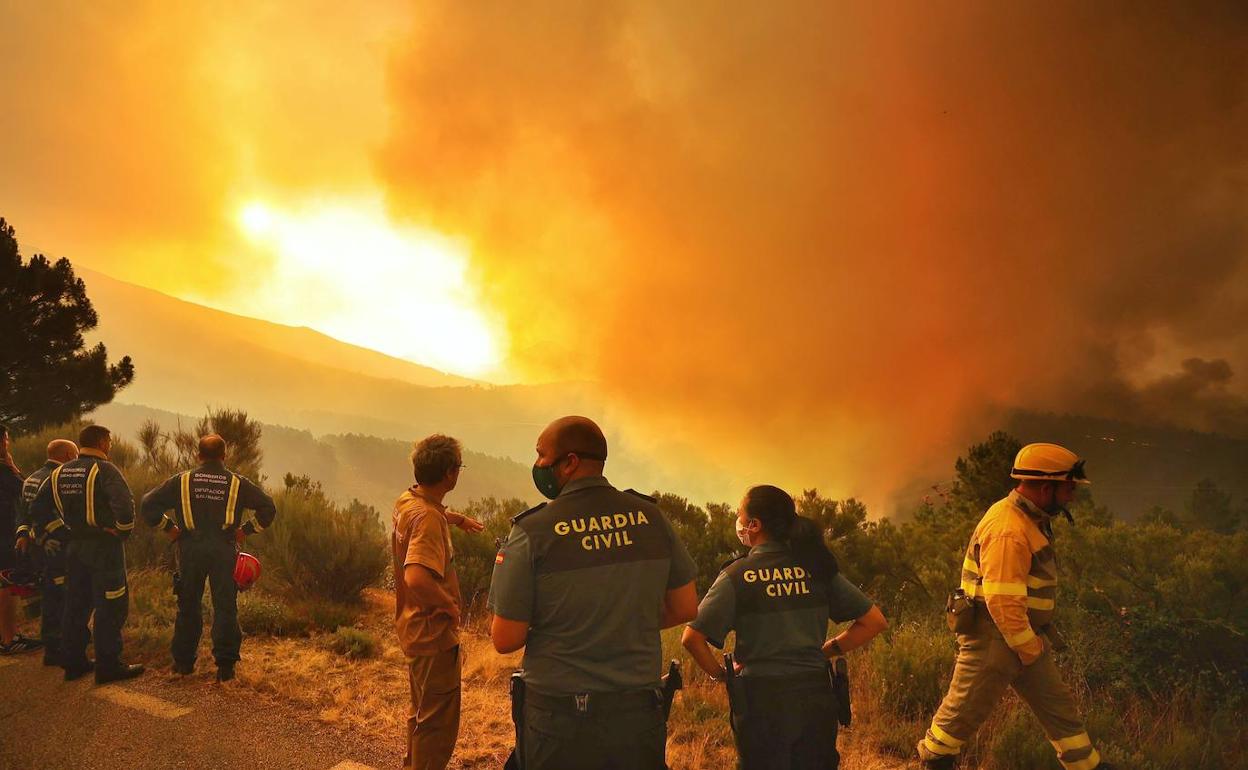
49,376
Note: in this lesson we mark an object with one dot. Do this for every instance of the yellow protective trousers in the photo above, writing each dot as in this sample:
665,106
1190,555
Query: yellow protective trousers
985,667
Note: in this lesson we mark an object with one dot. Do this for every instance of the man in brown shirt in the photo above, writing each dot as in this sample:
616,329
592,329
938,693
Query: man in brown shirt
426,607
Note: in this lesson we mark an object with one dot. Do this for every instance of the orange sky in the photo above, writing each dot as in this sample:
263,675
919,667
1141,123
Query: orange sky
813,238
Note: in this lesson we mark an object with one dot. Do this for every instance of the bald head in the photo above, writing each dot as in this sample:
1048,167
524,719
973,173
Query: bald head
211,448
62,450
577,435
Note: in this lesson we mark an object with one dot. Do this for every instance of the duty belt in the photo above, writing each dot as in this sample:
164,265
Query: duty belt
816,680
596,702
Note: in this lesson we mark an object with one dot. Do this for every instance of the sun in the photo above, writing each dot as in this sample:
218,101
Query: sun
345,269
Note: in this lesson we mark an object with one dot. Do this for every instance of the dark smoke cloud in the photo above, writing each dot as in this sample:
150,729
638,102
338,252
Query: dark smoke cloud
822,239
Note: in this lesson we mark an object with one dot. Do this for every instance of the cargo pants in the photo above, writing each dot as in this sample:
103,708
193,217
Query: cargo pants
433,718
789,724
985,667
53,613
95,581
632,739
206,558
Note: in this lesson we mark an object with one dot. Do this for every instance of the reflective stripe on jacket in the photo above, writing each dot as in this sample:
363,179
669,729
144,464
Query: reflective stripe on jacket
207,498
1010,565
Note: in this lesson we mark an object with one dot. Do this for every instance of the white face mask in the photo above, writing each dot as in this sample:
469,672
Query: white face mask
743,534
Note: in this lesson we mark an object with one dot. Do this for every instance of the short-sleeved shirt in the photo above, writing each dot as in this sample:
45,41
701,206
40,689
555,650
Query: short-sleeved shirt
780,611
422,535
589,572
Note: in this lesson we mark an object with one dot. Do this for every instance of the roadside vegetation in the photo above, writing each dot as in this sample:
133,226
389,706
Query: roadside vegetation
1152,610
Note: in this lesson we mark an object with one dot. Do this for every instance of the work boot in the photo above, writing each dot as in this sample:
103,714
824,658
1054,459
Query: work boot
183,669
944,763
51,656
225,671
118,672
78,671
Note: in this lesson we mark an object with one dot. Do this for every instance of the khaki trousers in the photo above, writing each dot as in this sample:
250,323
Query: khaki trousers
433,719
985,667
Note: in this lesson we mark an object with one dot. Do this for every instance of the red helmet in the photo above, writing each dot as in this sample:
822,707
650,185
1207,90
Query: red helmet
20,583
246,571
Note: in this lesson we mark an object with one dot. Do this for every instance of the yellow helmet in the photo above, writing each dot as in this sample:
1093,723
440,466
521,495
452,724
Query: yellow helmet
1048,462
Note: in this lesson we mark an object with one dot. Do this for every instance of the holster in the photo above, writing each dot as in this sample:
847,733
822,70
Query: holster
672,681
516,760
960,612
838,671
736,691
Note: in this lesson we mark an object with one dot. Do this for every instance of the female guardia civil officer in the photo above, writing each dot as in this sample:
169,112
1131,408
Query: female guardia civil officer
778,599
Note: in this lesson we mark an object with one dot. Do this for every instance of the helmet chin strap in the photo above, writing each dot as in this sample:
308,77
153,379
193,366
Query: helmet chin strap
1055,509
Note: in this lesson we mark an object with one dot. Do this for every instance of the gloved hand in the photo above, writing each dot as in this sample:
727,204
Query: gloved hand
23,543
173,533
239,535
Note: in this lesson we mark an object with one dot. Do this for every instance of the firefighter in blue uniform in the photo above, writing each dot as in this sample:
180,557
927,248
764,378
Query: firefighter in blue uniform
208,504
47,552
87,502
778,599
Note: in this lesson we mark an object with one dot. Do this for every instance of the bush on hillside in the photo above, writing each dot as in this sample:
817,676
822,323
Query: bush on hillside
474,552
318,549
262,613
352,643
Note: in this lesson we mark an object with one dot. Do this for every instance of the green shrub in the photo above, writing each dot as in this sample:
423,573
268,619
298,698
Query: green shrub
474,553
329,615
321,550
352,643
1018,742
911,668
260,613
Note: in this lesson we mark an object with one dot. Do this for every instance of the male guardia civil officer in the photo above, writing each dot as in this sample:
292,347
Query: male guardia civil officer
584,584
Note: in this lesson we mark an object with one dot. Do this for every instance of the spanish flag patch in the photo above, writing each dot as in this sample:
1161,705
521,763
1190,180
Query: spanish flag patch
498,558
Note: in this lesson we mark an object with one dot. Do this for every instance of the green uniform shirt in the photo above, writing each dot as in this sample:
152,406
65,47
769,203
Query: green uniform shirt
588,572
778,609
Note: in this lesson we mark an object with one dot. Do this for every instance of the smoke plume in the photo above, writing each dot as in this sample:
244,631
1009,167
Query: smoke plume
822,240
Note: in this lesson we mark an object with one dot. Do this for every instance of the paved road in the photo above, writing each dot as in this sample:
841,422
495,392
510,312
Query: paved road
159,721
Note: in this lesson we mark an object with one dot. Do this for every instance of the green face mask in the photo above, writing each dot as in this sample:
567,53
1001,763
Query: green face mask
545,480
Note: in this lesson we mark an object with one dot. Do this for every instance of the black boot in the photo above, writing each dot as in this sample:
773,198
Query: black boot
944,763
78,671
183,669
118,672
51,656
225,671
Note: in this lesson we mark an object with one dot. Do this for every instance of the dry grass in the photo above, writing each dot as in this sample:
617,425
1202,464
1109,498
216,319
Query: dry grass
370,697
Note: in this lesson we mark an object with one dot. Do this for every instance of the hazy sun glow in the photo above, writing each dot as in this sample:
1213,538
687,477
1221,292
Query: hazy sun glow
345,269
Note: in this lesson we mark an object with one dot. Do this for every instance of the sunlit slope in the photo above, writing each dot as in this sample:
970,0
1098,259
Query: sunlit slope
139,316
187,357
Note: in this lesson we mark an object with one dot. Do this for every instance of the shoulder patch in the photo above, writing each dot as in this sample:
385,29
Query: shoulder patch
635,493
734,559
520,516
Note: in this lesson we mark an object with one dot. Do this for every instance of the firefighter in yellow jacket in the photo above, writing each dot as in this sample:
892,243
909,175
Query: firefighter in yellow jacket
1009,576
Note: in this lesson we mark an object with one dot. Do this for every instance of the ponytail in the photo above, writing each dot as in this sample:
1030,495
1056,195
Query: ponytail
776,510
807,544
